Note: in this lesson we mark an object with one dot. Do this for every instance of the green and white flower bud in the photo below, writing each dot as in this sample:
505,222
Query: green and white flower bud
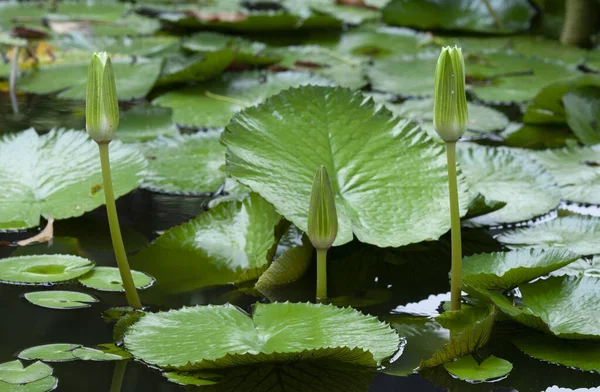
101,104
322,216
450,114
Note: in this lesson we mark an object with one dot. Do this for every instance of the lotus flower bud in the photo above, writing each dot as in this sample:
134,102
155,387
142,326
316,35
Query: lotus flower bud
101,105
450,112
322,216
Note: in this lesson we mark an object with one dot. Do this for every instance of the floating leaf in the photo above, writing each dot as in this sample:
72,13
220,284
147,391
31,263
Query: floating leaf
506,270
43,268
109,279
14,372
332,127
581,267
576,170
55,173
584,355
195,378
503,175
134,79
59,352
576,233
466,368
380,41
536,137
567,304
582,108
509,16
213,104
44,385
409,76
215,248
60,299
145,122
114,46
223,336
102,352
181,69
185,164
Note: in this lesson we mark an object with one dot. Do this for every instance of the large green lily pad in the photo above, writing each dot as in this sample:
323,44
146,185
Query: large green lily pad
60,299
460,15
109,279
567,304
15,373
213,104
468,369
331,130
504,175
506,270
214,248
576,233
222,336
58,174
190,164
134,79
575,170
43,268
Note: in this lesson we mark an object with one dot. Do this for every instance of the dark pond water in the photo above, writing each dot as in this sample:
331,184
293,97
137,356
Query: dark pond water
379,286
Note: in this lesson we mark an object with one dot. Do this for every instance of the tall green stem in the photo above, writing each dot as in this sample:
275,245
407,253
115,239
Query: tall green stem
456,272
115,231
321,274
118,376
581,21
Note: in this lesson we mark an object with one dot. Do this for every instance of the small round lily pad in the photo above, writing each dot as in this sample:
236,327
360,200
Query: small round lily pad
58,352
109,279
466,368
102,352
60,299
14,373
39,269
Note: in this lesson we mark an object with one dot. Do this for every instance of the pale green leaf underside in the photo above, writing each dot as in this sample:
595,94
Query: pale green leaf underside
505,270
109,279
504,175
55,174
192,164
214,248
346,133
467,368
576,233
223,336
60,299
43,268
212,104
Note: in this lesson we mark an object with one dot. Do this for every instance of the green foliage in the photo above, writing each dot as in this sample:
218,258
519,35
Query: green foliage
43,269
468,369
60,299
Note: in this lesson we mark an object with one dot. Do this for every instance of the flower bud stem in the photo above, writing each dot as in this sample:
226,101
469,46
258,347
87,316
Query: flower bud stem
321,275
456,272
115,231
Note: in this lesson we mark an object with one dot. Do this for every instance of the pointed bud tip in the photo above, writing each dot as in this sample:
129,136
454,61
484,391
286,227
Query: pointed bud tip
102,106
322,214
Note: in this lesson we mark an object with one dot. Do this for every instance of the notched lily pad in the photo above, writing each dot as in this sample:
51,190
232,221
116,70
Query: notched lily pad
466,368
109,279
57,352
15,373
60,299
211,337
46,384
43,269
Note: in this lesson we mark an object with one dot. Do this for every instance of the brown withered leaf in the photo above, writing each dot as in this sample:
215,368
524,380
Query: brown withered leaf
356,3
28,32
43,236
223,16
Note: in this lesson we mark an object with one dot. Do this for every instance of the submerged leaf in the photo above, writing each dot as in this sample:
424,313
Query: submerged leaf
43,268
211,337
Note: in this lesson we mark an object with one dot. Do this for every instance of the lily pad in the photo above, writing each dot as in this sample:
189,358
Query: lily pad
576,233
223,336
214,248
44,385
190,164
262,153
134,79
213,104
60,299
576,170
145,122
43,269
180,68
407,76
58,352
109,279
102,352
131,46
460,15
536,136
503,175
381,41
582,107
567,304
506,270
466,368
584,355
581,267
56,173
14,372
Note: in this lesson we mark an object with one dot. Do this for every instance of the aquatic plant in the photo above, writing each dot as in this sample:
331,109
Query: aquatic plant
450,122
322,225
102,119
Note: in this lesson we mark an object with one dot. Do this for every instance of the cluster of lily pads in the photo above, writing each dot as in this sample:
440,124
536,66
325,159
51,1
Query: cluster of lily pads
219,110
